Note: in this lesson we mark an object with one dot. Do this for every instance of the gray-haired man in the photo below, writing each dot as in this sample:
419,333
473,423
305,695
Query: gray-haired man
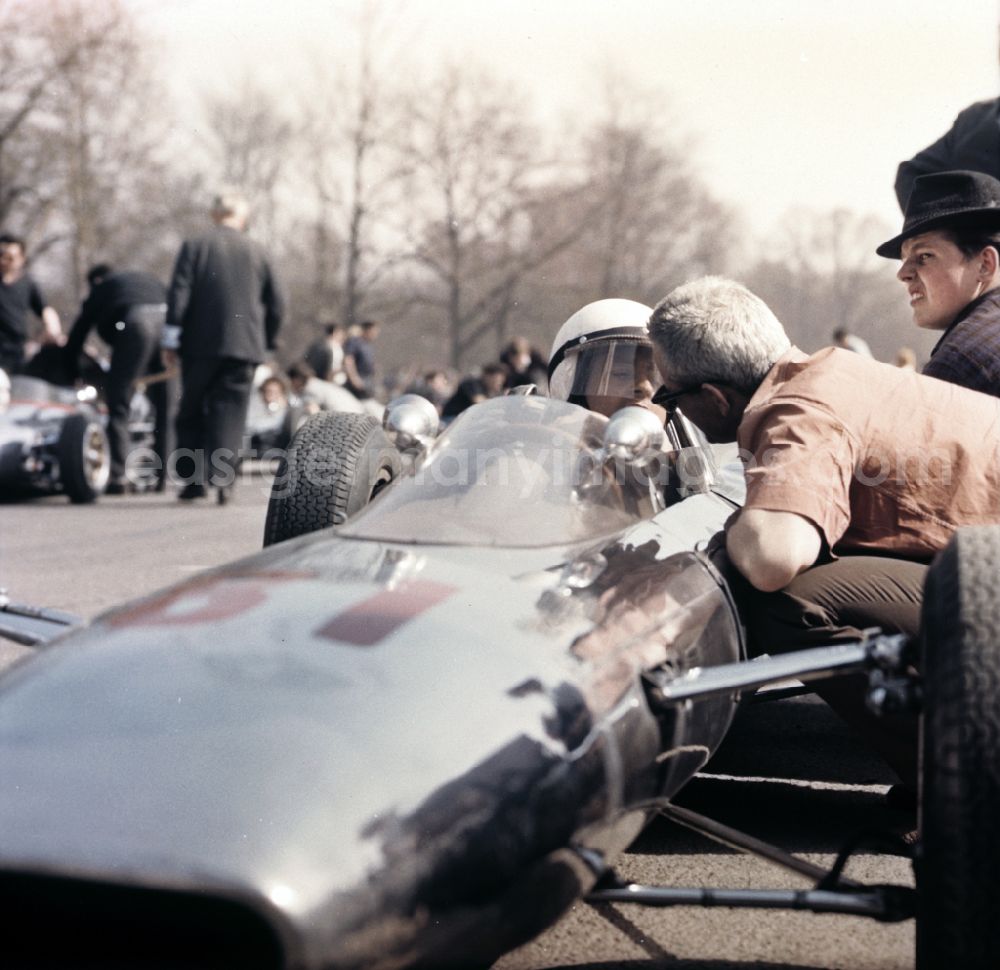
857,473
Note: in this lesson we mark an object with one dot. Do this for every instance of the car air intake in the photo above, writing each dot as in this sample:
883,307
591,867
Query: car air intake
74,924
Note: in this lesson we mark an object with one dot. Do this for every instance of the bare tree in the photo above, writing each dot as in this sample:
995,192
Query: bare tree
821,273
81,172
252,139
477,187
37,51
351,118
117,188
658,222
645,221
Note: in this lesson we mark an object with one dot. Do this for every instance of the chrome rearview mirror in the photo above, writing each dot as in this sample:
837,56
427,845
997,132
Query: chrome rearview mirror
634,438
632,433
411,422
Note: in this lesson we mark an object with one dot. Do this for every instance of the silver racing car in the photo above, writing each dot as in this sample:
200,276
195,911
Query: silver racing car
414,730
52,439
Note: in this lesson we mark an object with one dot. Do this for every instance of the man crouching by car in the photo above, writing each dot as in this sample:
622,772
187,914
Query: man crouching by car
857,473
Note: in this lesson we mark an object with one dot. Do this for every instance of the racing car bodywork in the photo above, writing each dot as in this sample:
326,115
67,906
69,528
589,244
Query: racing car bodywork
51,440
414,740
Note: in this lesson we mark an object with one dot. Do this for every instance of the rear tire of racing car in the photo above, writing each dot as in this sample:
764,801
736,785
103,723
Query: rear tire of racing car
84,458
335,465
957,860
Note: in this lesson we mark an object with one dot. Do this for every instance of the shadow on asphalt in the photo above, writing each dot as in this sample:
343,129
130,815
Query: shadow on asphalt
658,956
674,964
659,961
759,782
799,737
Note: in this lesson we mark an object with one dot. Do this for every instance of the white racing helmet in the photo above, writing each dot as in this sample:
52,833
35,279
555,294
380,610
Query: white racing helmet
602,351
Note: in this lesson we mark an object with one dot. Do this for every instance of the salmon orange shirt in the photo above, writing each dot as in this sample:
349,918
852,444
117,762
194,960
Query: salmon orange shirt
882,460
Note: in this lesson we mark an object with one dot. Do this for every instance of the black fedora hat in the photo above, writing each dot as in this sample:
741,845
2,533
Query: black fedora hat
947,199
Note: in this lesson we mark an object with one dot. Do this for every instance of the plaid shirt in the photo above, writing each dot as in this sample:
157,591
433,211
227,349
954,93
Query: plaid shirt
969,352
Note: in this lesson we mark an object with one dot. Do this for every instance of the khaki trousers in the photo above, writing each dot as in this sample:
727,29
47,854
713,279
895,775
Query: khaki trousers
833,603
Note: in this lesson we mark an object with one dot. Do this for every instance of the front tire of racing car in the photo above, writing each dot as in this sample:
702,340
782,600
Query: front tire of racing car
335,465
957,859
84,458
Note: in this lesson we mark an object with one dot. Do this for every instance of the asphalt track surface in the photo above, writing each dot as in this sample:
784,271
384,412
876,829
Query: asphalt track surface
788,772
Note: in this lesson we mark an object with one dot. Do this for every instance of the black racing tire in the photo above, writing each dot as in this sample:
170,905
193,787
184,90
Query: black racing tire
957,859
84,458
335,465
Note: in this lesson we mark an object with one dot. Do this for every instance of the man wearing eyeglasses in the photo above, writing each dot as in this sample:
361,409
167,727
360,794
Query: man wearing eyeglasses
857,473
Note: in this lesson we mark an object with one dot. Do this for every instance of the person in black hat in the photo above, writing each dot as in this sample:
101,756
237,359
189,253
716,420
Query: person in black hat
950,252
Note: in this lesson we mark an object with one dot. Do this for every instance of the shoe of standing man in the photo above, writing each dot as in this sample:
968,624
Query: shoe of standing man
192,491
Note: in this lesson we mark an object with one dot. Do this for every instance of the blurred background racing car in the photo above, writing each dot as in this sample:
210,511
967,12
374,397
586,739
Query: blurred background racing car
52,439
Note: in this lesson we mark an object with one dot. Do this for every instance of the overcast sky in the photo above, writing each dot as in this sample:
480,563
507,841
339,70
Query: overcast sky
790,102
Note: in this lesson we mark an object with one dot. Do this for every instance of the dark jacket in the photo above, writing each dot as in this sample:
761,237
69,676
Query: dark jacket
108,305
969,351
469,391
224,297
972,143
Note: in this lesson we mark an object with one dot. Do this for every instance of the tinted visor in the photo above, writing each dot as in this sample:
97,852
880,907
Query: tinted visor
614,369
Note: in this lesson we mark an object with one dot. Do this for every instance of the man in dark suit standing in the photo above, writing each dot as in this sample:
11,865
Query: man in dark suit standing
224,310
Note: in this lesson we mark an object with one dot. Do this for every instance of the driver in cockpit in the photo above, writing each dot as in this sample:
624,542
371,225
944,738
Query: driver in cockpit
602,358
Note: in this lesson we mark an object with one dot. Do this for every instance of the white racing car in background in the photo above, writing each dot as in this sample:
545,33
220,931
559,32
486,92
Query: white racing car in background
52,440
